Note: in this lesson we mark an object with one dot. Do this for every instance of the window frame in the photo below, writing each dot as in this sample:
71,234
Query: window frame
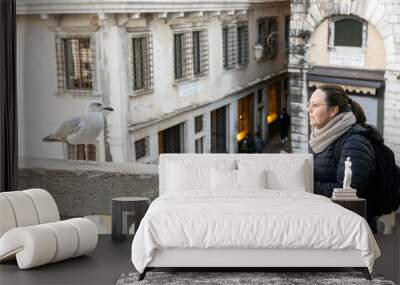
181,58
331,34
198,124
149,87
62,83
287,33
231,45
67,151
244,61
200,141
348,23
196,53
268,52
190,69
146,141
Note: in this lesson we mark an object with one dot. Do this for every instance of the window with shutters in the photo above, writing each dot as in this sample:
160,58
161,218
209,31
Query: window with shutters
198,124
243,44
190,54
75,64
142,148
268,36
199,145
181,62
142,64
287,32
196,53
235,45
229,46
348,32
80,151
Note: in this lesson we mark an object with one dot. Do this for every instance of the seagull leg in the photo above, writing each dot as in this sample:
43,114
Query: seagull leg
86,154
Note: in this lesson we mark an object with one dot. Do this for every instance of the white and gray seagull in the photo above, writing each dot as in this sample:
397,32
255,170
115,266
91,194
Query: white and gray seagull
82,129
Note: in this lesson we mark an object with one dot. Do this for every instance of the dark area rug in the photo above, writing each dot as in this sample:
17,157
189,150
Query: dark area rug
273,278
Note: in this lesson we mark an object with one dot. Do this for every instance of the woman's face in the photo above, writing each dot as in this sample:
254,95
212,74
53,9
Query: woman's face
320,113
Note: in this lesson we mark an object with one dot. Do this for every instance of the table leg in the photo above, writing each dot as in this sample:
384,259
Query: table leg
140,211
116,226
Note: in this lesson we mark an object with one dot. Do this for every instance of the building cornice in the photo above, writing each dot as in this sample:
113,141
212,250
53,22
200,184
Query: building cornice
29,7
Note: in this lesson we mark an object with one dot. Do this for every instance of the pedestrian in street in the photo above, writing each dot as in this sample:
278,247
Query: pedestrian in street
338,127
284,123
247,144
259,144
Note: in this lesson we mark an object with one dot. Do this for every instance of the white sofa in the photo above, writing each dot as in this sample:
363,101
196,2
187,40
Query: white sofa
31,231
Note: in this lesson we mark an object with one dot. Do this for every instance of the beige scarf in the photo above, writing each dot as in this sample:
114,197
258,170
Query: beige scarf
320,139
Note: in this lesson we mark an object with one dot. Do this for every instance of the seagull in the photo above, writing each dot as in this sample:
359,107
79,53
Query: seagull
83,129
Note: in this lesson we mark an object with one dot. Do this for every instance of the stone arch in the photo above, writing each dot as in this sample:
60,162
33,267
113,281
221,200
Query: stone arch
371,11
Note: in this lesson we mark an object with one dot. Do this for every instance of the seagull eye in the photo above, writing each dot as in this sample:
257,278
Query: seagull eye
98,104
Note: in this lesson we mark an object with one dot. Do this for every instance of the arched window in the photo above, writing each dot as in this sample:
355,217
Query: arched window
348,32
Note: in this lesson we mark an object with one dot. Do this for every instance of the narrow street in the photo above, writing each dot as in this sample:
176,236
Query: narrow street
274,145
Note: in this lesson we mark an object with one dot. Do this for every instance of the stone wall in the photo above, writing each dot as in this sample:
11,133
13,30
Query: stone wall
81,190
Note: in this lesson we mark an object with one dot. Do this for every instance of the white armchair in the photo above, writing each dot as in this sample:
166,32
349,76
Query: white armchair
31,230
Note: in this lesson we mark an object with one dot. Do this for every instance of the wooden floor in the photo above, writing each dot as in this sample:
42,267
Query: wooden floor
110,260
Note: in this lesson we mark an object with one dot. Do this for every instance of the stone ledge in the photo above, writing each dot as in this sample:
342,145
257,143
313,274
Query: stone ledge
79,166
87,192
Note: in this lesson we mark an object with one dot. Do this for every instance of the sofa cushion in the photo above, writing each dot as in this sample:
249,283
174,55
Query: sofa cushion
251,178
280,175
183,177
291,179
230,180
223,179
45,205
193,176
23,208
7,220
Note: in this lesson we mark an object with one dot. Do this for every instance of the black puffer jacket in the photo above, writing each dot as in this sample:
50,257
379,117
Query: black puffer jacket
329,164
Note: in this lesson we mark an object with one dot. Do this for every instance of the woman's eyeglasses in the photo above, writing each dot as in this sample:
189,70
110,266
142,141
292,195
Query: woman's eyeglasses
312,106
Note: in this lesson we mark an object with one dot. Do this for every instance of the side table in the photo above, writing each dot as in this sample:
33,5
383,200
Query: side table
138,205
358,206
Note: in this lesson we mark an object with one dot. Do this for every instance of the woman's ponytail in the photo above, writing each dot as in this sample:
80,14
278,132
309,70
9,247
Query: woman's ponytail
336,96
358,112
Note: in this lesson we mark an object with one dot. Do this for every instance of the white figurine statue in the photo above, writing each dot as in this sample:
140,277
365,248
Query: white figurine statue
347,174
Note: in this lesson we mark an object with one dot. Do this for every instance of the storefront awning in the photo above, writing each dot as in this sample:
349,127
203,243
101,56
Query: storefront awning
352,80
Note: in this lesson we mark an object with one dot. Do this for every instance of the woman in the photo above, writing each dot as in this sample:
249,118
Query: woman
338,131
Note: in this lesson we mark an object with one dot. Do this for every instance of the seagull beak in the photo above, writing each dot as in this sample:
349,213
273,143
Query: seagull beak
108,108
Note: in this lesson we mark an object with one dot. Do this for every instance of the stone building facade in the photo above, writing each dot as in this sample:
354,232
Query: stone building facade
181,76
354,43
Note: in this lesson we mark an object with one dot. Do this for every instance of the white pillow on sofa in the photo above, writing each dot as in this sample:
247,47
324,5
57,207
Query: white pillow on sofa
281,175
223,179
251,178
186,176
226,179
292,179
183,178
